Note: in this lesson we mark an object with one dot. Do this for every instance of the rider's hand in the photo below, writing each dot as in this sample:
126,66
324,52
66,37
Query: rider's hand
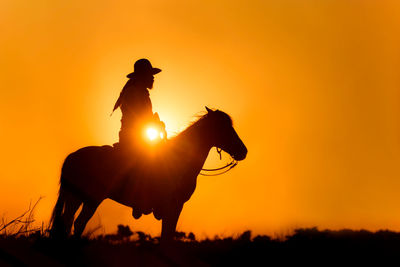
162,124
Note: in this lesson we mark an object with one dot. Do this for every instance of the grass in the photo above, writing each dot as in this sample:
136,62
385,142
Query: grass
22,245
22,225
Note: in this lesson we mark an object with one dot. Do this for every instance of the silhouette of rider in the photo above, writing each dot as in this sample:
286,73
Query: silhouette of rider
134,101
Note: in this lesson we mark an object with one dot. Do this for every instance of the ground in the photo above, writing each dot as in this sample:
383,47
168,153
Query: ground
126,248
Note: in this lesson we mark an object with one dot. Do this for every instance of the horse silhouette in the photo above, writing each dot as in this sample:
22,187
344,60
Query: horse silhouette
160,181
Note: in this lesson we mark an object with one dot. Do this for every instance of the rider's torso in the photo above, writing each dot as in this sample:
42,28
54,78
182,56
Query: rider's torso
136,107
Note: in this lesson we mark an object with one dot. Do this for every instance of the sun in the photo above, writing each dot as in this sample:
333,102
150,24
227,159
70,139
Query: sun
152,133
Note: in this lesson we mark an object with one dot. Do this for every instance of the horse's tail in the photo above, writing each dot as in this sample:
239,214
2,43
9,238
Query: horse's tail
56,216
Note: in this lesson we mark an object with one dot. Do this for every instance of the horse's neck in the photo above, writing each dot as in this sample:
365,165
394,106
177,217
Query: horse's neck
196,145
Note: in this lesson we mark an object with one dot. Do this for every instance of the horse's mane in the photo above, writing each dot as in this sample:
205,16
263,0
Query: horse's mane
200,118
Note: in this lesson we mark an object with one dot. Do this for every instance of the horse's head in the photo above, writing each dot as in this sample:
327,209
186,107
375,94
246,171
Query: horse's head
224,135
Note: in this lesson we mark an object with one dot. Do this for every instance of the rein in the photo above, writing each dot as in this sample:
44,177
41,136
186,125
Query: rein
230,166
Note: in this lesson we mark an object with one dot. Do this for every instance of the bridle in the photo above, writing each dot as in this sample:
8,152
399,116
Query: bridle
228,166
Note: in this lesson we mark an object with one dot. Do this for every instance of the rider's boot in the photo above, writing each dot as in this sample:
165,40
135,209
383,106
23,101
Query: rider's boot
136,213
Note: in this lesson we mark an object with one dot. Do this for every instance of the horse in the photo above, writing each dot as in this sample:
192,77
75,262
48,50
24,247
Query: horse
160,180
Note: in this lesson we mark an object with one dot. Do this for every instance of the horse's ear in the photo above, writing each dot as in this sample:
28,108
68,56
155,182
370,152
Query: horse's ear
208,110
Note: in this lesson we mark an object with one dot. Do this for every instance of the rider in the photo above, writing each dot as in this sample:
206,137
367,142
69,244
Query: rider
135,104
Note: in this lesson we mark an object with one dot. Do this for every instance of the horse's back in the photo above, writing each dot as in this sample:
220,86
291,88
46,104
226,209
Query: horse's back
89,171
87,158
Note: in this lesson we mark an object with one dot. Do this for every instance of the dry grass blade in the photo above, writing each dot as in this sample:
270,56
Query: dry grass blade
22,222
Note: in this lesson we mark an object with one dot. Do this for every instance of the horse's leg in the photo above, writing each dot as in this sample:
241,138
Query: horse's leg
169,221
84,216
72,204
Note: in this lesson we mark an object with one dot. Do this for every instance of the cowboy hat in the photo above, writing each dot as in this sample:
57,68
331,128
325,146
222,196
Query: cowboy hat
143,66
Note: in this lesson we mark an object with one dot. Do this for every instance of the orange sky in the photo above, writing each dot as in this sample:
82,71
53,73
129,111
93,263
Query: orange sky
313,88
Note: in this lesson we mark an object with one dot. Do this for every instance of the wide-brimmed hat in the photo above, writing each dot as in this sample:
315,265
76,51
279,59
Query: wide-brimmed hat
143,66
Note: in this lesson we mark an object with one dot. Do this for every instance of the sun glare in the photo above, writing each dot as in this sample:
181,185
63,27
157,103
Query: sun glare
152,133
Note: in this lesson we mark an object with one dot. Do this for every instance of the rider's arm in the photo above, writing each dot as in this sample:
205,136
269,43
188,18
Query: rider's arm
137,103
